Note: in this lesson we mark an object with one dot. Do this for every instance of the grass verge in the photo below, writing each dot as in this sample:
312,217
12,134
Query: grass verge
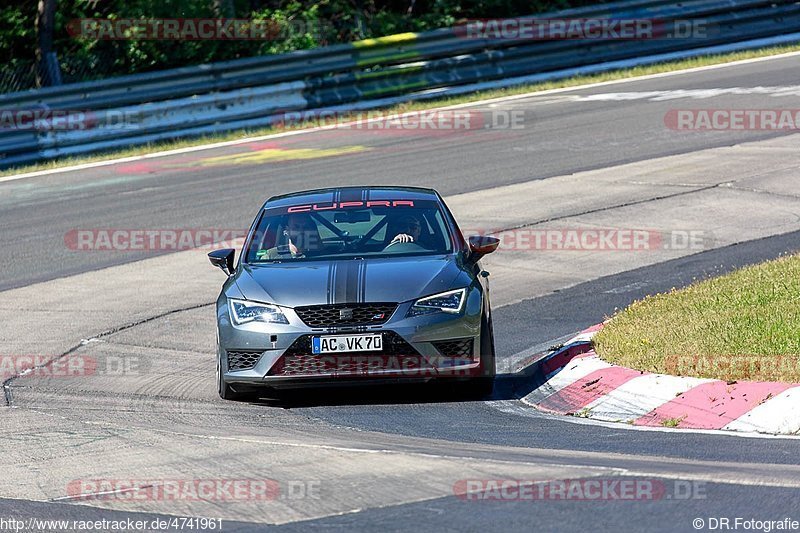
741,326
417,106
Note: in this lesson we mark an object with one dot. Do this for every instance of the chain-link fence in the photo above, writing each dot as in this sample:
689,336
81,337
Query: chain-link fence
17,77
68,68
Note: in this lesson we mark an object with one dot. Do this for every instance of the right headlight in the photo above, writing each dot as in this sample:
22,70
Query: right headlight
243,311
447,302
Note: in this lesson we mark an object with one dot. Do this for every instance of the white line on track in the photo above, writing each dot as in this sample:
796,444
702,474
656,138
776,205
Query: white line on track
96,164
331,447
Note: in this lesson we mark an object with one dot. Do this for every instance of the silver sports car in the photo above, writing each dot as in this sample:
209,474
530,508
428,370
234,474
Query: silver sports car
354,285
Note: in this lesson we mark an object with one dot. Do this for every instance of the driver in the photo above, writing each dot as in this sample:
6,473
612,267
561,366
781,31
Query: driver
409,229
302,236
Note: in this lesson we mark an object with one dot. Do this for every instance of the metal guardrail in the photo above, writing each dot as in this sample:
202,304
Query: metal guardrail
255,92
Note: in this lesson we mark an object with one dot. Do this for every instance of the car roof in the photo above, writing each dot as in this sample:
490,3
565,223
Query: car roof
347,194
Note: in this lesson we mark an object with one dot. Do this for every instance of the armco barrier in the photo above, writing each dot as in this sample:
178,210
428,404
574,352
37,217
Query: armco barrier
253,92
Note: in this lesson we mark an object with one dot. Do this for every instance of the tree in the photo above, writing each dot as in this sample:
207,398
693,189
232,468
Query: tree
46,64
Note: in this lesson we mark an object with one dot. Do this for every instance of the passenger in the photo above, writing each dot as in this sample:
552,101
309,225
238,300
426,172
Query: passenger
302,236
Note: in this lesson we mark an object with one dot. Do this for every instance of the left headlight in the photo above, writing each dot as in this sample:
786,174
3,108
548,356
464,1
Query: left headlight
243,312
448,302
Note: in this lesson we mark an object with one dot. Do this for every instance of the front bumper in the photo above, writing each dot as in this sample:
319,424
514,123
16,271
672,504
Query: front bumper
412,349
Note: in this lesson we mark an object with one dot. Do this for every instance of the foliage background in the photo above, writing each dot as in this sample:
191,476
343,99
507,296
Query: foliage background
331,21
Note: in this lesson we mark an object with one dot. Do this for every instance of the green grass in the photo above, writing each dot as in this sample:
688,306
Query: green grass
671,422
417,106
741,326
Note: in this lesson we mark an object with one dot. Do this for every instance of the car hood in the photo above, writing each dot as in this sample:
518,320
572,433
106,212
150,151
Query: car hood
348,281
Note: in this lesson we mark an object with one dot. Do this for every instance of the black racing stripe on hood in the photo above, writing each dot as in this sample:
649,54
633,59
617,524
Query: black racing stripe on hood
331,281
362,281
352,271
345,282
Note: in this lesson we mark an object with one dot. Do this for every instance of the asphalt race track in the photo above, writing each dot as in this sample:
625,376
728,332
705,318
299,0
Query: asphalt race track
392,459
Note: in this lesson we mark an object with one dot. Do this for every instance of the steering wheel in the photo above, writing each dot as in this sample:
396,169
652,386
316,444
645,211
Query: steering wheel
397,246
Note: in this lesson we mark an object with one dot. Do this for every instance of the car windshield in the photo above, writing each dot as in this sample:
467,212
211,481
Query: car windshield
338,231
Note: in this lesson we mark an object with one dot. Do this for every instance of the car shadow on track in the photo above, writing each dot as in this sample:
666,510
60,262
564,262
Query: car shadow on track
506,387
367,395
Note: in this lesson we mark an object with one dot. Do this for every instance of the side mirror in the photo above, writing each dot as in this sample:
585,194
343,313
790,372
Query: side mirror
481,245
223,259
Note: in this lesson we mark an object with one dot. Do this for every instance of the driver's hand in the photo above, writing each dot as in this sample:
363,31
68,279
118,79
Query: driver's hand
402,237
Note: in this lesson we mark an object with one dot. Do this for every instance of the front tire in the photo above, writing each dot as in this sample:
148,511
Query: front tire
483,385
226,392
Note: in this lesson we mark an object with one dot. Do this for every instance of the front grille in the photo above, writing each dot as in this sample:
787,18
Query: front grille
309,365
243,359
322,316
397,355
455,347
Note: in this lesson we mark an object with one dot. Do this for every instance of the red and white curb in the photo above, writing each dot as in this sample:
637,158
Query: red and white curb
579,383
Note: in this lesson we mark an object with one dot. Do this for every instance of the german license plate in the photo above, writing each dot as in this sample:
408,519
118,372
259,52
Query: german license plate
347,343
